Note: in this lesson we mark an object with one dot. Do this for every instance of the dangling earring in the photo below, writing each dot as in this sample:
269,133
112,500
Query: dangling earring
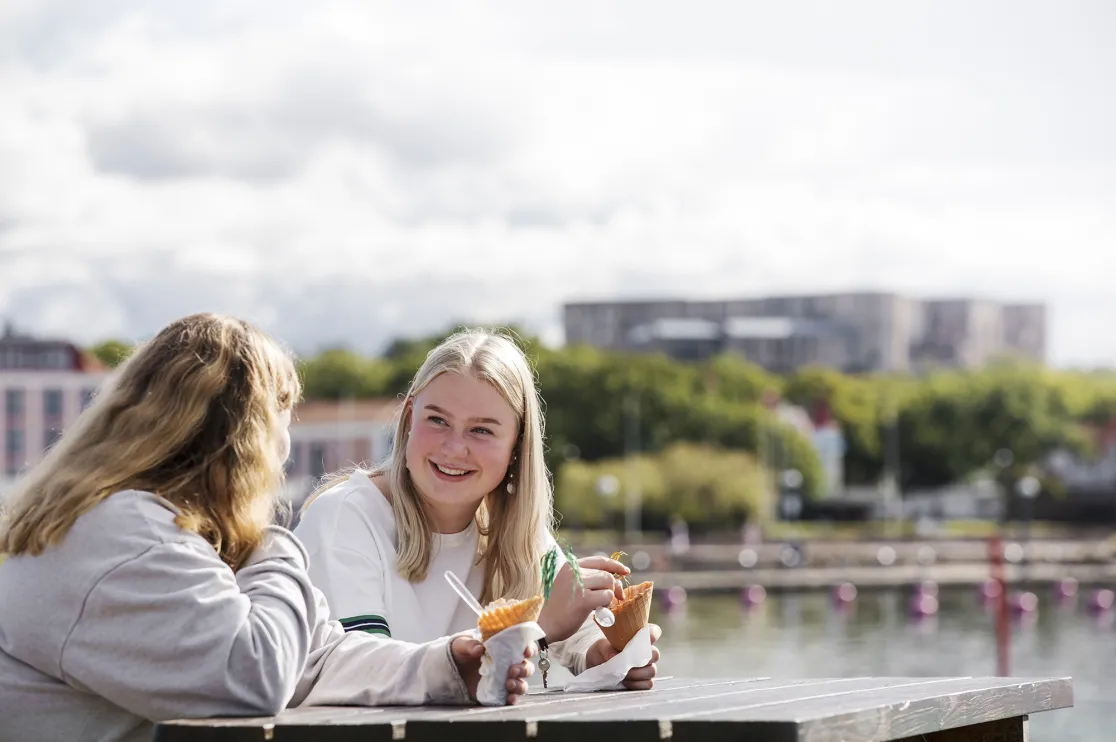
511,477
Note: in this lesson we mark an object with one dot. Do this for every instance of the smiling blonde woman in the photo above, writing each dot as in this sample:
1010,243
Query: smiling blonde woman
464,490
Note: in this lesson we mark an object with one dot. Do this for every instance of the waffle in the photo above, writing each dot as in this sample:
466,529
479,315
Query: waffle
632,614
502,613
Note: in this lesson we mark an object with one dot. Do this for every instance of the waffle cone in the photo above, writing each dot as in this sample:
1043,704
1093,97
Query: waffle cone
500,614
632,614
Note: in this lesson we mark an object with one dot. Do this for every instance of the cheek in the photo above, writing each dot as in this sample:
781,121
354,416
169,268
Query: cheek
285,446
418,446
496,459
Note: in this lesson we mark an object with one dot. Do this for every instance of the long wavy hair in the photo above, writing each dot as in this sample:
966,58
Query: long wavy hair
191,416
513,527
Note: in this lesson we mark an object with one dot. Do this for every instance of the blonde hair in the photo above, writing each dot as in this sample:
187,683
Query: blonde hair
513,527
190,417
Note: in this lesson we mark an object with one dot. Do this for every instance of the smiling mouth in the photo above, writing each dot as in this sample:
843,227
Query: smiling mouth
448,472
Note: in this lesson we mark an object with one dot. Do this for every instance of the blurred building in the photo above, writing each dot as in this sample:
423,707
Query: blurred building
44,386
327,436
868,331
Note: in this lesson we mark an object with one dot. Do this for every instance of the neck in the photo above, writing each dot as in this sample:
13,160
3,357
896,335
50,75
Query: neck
450,519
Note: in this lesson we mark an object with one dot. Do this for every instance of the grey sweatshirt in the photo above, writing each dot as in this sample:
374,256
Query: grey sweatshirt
132,620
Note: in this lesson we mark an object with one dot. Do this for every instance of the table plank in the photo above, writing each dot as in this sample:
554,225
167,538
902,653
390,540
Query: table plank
758,709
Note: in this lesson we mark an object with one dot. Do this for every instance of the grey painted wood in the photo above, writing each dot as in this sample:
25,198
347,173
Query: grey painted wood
754,709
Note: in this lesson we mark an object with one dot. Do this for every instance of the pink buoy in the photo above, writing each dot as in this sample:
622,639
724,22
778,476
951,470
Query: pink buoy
990,590
1102,600
1024,603
924,605
1065,588
845,593
753,595
674,597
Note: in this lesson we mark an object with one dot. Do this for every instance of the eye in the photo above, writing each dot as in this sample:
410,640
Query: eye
436,420
484,431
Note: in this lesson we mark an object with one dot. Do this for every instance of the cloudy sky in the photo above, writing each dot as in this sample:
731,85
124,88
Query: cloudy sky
352,171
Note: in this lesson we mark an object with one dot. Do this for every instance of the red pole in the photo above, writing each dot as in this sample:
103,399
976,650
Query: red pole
1003,625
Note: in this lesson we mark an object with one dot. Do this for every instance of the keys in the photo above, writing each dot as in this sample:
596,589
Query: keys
544,665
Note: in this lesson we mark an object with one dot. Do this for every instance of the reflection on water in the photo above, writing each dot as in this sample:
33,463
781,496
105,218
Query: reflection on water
807,635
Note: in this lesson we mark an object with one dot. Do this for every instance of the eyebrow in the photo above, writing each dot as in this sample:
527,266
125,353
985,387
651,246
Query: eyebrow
439,410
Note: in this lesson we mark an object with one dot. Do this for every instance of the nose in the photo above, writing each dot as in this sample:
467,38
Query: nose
454,446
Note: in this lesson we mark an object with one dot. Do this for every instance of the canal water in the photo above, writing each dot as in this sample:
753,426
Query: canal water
797,635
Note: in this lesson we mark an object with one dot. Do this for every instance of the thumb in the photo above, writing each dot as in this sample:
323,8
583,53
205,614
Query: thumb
466,649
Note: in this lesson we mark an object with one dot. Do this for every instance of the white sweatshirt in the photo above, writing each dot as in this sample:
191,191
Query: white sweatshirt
349,532
132,620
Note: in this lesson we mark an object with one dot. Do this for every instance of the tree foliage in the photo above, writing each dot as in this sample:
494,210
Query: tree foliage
111,352
651,415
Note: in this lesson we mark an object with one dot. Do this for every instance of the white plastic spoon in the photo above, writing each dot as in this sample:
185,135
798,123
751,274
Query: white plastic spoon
603,615
459,588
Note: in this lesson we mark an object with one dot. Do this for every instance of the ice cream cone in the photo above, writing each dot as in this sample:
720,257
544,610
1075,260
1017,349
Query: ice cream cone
632,614
502,613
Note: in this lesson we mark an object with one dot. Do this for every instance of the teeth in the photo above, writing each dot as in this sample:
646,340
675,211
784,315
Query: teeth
451,472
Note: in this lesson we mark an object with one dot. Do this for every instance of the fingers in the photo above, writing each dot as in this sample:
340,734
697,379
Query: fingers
466,649
522,670
531,651
603,563
656,632
654,655
517,680
601,587
516,688
639,684
595,579
600,598
642,678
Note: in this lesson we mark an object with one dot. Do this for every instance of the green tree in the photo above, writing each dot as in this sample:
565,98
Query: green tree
111,352
709,487
339,373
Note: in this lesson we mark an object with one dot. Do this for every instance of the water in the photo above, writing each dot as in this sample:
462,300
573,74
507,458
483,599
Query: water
804,635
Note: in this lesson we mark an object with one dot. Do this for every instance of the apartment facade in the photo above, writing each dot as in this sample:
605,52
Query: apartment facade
328,436
865,331
44,386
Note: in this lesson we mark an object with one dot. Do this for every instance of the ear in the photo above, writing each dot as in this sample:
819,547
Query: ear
405,416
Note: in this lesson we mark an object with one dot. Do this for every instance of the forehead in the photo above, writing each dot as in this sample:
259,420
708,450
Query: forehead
465,397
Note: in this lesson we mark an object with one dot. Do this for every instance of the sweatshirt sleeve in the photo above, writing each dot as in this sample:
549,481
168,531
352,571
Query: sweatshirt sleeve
368,669
174,633
570,653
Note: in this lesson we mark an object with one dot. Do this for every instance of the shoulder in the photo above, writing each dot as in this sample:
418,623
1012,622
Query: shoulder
346,516
135,518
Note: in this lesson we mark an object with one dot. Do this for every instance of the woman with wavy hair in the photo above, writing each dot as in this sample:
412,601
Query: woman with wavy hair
464,490
145,581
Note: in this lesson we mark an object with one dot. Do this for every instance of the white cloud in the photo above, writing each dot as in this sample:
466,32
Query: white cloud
353,170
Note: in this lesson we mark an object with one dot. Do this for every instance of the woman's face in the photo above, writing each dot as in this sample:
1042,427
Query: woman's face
462,437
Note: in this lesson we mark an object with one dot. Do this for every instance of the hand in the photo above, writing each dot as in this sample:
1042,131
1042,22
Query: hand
467,653
569,606
638,678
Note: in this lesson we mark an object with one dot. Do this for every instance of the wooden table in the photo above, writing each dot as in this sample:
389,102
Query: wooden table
678,709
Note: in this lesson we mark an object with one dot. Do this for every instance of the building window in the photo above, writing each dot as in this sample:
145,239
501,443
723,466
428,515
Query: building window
51,436
52,403
14,445
14,402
